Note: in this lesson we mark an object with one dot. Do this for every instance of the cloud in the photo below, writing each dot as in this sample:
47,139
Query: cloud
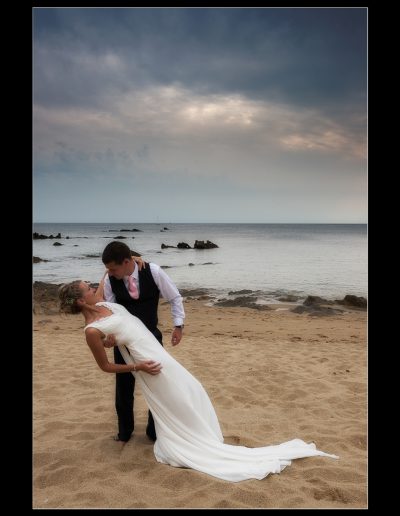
171,122
248,104
304,57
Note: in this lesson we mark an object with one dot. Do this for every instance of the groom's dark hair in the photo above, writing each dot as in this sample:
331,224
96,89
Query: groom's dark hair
117,252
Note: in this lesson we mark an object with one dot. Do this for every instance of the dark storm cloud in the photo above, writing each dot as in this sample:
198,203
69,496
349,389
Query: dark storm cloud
304,57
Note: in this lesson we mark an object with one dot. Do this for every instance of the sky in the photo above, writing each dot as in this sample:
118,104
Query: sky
200,115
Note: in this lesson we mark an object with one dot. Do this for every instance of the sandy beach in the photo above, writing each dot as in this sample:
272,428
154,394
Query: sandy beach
272,375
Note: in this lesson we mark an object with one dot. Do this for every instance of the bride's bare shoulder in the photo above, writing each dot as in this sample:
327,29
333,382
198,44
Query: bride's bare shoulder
91,331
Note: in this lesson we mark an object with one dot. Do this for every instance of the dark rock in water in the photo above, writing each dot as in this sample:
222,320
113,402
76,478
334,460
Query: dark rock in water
235,292
119,237
163,246
244,302
57,243
183,245
207,263
92,256
36,259
200,244
166,266
289,298
301,310
166,229
316,310
119,230
315,300
37,236
193,292
191,264
350,300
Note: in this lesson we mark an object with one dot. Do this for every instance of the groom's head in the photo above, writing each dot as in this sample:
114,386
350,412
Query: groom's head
117,257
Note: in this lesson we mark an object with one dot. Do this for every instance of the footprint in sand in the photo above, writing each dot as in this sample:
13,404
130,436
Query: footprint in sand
333,494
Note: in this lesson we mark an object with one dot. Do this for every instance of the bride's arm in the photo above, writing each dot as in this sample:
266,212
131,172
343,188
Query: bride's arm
93,338
95,343
139,262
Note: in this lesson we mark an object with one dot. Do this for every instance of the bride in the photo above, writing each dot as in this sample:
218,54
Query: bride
187,427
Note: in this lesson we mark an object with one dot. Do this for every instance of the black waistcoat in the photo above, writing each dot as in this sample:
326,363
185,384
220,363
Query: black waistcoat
145,308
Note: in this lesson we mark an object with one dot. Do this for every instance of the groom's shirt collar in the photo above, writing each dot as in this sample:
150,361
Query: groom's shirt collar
135,273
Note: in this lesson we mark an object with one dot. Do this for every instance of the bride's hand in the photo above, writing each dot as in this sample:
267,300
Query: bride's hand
149,366
140,262
110,341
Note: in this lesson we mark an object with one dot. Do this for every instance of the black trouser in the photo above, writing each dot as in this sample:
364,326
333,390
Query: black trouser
124,398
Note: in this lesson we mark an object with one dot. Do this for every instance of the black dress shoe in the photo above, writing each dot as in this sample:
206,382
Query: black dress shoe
117,438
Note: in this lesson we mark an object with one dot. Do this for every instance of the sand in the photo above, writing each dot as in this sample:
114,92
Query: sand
271,375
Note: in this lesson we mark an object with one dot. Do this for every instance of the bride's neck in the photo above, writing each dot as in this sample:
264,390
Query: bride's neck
90,313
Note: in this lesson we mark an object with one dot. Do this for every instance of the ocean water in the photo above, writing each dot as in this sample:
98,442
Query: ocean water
327,260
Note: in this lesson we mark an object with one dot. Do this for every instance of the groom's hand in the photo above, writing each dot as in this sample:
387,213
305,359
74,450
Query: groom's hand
109,341
176,336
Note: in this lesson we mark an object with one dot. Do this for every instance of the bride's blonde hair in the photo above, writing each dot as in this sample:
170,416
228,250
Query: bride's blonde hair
68,294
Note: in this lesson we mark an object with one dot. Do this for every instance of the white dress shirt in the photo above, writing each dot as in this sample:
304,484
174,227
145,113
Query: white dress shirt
164,283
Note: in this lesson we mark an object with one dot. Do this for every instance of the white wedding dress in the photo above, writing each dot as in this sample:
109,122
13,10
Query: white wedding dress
188,432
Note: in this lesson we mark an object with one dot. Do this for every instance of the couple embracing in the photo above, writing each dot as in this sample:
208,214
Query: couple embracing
182,422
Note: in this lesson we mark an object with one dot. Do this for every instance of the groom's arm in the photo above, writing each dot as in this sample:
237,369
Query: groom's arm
169,291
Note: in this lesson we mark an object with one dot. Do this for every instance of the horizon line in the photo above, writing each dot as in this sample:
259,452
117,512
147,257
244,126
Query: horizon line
172,222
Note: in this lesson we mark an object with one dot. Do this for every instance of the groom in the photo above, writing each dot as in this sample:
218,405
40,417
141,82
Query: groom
138,291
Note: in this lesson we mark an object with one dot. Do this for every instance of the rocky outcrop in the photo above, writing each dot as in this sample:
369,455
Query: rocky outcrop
316,306
38,236
289,298
200,244
243,302
316,310
349,300
119,230
36,259
316,300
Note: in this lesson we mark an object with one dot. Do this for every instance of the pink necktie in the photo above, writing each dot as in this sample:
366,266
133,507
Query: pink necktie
133,291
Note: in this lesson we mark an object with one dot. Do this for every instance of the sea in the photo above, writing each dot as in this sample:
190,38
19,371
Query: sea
272,261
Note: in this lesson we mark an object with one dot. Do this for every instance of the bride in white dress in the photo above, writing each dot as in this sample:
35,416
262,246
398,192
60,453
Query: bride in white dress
187,427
